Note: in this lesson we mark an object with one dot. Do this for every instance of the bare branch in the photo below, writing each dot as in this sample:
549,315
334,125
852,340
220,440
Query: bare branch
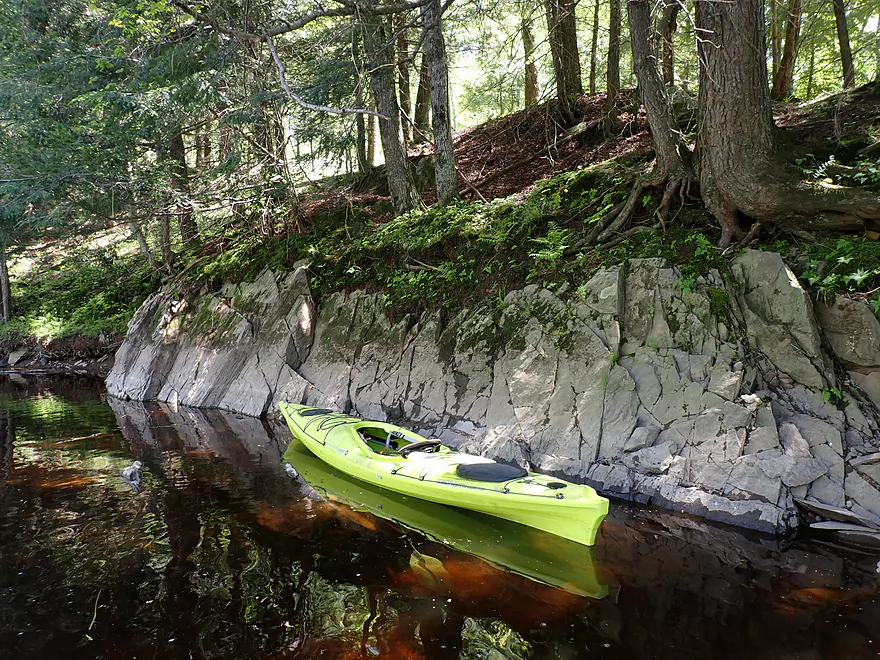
282,75
348,8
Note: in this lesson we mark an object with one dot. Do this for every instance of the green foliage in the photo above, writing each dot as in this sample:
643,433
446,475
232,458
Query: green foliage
832,395
846,265
719,302
89,294
551,246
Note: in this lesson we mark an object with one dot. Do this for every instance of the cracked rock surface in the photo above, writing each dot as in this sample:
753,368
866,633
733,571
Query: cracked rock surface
643,385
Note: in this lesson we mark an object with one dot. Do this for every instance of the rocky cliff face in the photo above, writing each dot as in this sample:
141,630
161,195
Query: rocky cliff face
728,397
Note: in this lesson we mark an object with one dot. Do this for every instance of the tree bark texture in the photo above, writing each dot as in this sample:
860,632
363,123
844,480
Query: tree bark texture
668,26
613,77
364,164
594,48
372,135
189,233
404,195
531,92
562,35
784,81
423,104
775,41
165,242
668,143
441,121
403,86
846,58
138,233
740,176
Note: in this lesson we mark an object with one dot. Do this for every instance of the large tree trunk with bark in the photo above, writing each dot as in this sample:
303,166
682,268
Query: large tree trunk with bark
562,35
423,104
613,77
530,94
783,82
404,195
438,75
846,58
741,179
669,145
668,26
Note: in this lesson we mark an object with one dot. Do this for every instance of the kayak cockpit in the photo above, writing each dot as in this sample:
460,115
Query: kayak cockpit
393,441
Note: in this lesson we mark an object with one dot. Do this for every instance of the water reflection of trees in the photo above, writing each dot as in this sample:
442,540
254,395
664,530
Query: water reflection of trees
223,556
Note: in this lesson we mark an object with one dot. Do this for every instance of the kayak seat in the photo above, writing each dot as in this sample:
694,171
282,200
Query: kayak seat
495,472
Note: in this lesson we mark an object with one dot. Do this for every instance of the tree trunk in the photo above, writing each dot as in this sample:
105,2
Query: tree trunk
594,49
562,35
404,195
189,233
165,242
775,41
444,155
403,86
668,143
846,58
142,243
364,164
531,93
5,296
668,26
226,143
372,136
740,176
613,77
423,104
784,80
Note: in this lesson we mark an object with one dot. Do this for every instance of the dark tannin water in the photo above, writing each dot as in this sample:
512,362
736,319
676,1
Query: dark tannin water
224,552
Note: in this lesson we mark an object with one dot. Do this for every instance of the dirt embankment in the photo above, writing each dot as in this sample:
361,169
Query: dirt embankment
70,355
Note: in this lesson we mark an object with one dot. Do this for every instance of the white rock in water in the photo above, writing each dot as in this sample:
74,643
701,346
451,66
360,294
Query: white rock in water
132,474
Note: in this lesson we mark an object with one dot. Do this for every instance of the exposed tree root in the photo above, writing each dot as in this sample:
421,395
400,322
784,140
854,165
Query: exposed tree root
791,207
613,227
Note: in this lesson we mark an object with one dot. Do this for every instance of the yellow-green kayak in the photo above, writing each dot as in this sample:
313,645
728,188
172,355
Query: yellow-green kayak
508,546
404,462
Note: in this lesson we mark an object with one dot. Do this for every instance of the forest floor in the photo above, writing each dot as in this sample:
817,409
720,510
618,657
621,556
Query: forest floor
545,188
841,125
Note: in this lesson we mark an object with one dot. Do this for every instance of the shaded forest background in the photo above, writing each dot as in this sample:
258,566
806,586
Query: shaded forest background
152,141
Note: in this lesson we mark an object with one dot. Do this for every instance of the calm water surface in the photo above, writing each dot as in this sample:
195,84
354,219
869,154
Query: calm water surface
224,554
